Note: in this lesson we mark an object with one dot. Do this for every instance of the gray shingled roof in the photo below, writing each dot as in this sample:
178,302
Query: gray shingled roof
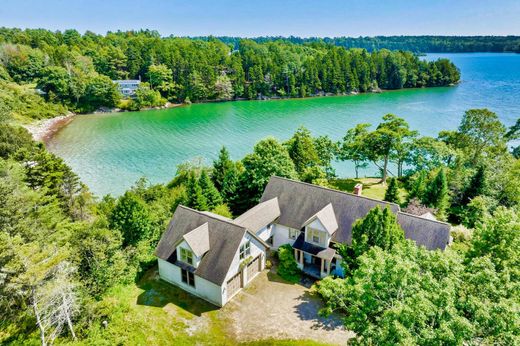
224,240
430,233
300,201
198,239
260,215
327,218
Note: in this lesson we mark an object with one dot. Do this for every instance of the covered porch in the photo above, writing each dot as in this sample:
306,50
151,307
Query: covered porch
313,260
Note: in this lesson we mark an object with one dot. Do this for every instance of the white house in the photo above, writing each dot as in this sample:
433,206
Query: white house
127,87
208,255
214,257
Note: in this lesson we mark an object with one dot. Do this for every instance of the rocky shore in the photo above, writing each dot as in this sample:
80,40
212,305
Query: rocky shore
43,130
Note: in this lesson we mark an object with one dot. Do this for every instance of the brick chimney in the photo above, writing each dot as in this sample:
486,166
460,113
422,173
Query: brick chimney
358,189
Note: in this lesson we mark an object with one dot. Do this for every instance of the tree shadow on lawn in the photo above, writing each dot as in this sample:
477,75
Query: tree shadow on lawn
159,293
308,310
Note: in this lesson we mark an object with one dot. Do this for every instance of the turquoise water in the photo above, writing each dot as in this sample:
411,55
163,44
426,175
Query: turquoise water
110,152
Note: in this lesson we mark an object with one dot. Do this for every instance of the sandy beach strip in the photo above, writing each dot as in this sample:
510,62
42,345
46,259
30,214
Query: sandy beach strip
44,130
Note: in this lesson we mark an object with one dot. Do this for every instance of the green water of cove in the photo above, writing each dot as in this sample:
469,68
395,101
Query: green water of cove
111,151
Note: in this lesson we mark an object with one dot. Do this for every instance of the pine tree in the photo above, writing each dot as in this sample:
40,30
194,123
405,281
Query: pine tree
392,193
436,195
195,197
476,186
209,191
220,167
418,187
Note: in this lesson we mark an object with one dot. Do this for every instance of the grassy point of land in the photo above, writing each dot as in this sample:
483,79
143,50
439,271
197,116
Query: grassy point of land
372,187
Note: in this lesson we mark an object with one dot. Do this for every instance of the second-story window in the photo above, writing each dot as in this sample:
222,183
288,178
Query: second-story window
293,233
245,250
315,236
186,256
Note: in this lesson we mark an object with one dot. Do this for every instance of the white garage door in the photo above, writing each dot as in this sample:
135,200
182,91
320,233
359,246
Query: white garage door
233,284
253,268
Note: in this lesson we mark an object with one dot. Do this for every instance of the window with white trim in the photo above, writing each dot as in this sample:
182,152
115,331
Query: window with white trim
245,250
316,236
293,233
188,277
186,256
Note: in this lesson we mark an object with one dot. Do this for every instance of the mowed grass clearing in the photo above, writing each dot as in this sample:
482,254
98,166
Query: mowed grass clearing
372,187
153,312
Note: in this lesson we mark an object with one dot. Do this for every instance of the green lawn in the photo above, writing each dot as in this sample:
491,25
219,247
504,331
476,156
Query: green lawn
153,312
372,187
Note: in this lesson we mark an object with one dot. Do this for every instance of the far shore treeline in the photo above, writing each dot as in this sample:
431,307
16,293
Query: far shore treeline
416,44
75,71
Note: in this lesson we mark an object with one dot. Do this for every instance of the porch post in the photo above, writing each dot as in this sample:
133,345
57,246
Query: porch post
301,258
296,255
321,270
328,267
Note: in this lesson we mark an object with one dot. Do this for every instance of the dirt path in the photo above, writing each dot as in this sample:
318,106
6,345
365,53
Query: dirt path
269,308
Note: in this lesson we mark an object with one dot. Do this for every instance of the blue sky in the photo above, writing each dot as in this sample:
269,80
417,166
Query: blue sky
270,17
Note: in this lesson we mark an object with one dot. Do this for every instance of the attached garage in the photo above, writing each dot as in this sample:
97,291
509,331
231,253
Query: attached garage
234,284
253,268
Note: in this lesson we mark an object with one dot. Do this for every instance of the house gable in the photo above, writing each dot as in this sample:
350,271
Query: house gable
224,240
315,230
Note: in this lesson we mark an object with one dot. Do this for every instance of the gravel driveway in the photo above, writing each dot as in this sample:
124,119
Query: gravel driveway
268,308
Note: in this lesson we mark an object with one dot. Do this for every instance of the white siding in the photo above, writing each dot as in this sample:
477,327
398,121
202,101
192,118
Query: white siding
256,249
203,288
317,225
281,236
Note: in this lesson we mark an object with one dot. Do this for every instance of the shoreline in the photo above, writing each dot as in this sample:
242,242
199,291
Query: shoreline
45,130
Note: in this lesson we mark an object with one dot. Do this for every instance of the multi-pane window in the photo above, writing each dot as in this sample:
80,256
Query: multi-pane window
315,236
293,233
245,250
186,256
188,277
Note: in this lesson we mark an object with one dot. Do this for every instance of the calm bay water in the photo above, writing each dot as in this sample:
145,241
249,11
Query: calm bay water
110,152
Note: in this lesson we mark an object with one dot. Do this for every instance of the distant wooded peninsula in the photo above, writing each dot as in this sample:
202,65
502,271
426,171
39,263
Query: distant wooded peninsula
416,44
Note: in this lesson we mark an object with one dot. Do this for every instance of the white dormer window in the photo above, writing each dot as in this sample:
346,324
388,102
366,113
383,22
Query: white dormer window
245,250
186,256
315,236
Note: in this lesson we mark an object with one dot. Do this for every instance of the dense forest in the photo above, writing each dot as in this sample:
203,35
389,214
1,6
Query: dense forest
416,44
72,265
75,71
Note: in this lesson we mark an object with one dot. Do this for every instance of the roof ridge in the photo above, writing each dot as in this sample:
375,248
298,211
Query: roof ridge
210,216
338,191
423,218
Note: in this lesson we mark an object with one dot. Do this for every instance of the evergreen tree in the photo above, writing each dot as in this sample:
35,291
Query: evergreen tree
132,218
436,195
476,186
220,167
418,188
378,228
209,191
195,198
392,192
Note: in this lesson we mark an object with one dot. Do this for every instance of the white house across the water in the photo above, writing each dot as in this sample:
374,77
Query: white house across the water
127,87
214,257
